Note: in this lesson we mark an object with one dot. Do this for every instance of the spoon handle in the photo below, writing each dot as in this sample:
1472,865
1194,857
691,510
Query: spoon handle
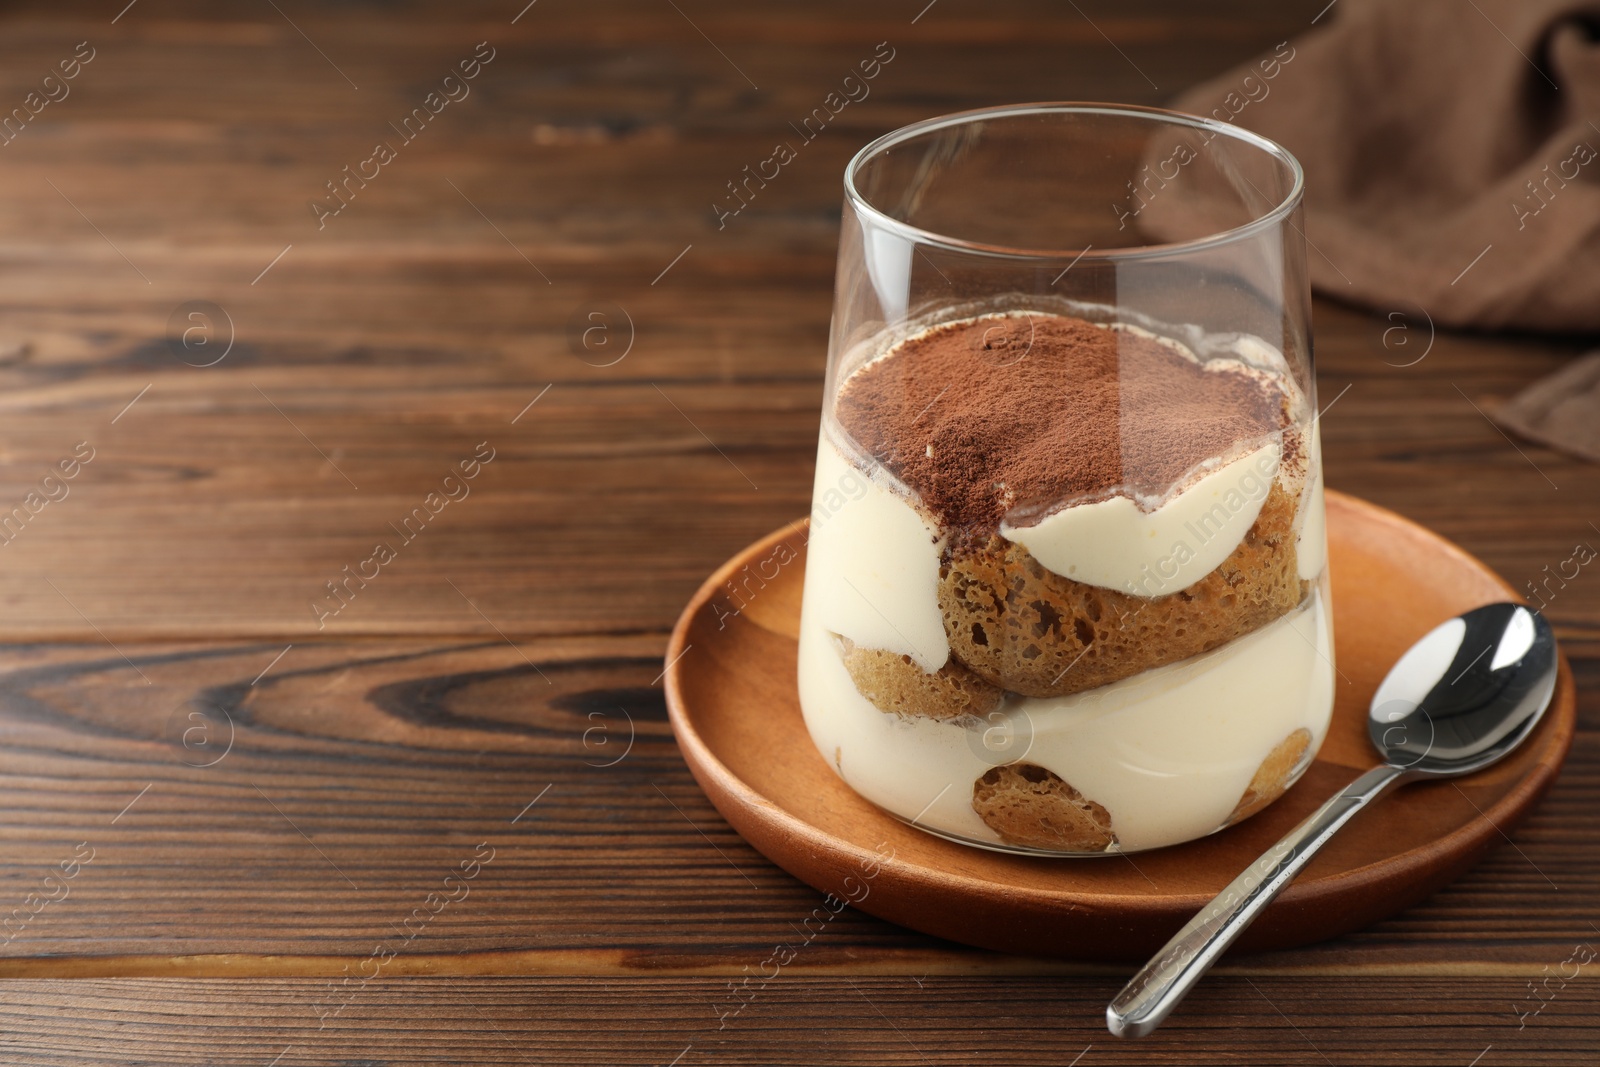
1159,986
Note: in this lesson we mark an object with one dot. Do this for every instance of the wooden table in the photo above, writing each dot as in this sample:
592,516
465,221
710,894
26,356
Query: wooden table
229,814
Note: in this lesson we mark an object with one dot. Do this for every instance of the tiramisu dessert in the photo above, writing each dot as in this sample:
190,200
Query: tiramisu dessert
1065,581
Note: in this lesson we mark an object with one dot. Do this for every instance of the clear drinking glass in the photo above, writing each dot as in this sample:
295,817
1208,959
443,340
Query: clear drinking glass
1065,588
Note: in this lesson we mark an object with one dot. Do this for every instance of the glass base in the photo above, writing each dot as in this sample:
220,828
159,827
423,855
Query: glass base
1112,850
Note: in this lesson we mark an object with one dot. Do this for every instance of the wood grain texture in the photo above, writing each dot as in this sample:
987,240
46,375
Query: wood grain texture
382,750
860,1020
407,330
387,762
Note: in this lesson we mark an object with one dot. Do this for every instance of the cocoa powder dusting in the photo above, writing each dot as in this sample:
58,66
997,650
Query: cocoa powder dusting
1021,414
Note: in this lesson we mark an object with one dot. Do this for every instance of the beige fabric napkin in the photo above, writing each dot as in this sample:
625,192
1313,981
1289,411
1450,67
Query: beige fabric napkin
1561,410
1451,150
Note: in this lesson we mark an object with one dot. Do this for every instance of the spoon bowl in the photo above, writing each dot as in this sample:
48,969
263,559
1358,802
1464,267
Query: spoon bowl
1467,693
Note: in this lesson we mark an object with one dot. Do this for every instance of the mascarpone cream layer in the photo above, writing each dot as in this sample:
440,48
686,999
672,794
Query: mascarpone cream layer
1168,752
1117,544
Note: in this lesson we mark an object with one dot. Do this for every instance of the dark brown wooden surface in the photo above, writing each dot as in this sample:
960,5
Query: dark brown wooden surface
516,643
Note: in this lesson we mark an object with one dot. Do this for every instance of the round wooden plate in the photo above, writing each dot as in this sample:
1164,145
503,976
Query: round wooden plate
731,695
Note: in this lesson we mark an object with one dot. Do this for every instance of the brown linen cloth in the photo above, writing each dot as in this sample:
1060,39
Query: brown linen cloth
1451,151
1561,410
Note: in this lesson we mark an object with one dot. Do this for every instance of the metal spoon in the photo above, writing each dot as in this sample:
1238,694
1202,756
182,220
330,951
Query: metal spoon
1460,699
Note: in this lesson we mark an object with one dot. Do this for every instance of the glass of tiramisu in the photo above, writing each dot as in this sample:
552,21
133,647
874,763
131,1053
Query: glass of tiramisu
1065,584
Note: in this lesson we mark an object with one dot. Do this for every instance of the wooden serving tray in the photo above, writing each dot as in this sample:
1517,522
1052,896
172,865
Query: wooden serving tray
732,698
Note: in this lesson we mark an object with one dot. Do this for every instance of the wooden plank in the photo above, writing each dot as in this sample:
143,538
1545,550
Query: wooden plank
265,485
796,1019
288,825
385,348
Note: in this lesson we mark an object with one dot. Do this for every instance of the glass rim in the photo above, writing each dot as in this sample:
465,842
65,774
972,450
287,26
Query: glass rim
1273,216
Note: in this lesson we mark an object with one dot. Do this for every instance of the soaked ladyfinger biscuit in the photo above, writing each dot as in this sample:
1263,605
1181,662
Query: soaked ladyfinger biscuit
1028,805
896,684
1029,630
1272,777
